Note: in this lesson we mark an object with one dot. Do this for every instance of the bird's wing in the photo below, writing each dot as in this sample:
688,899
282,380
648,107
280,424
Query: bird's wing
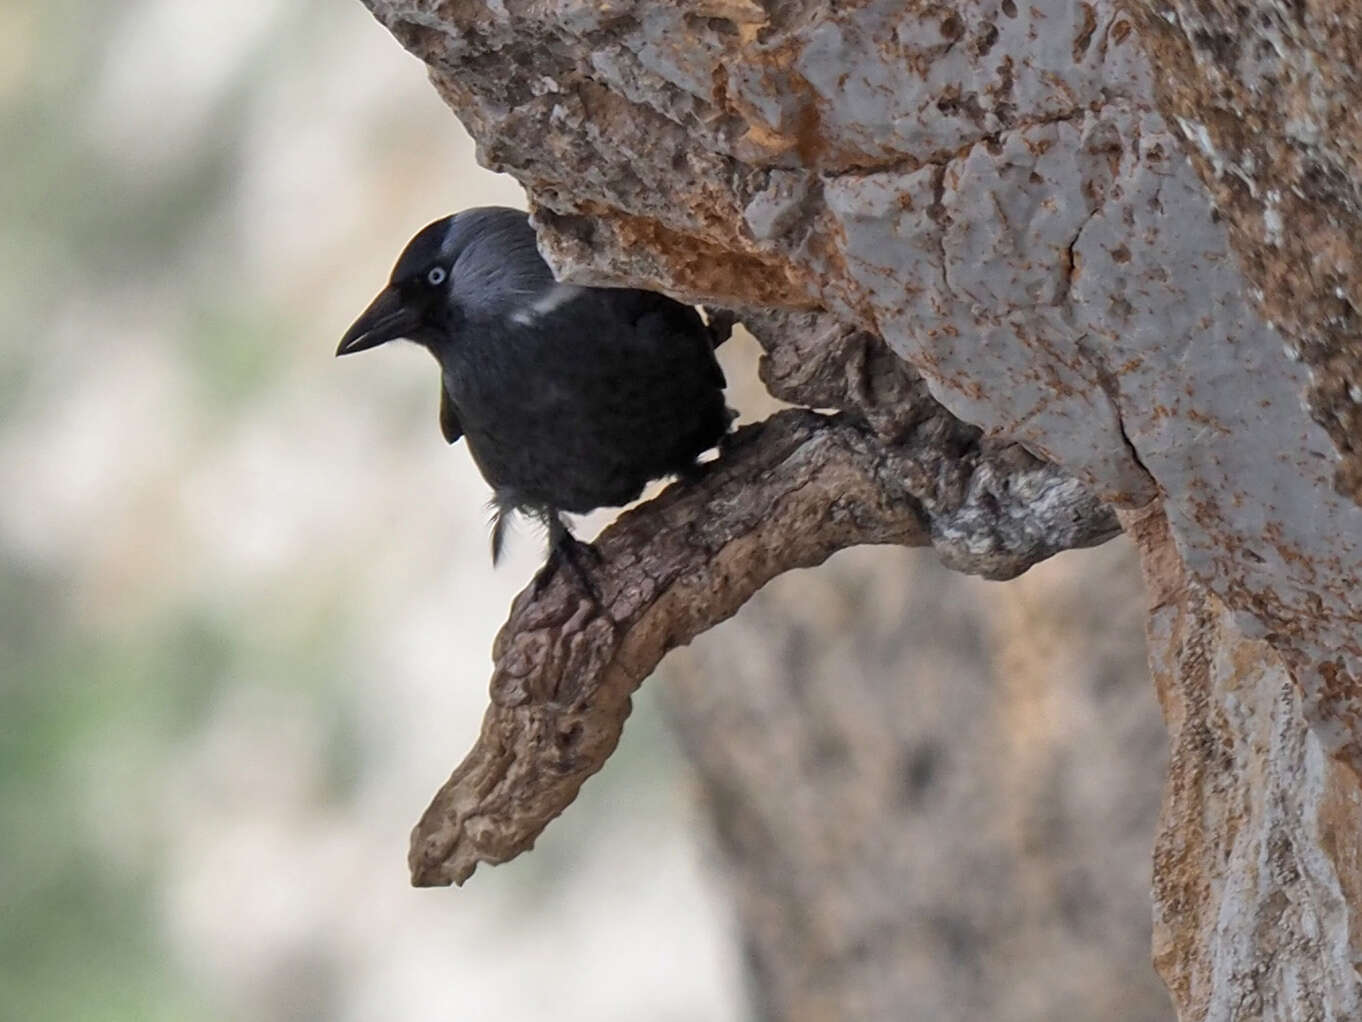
450,425
656,324
663,320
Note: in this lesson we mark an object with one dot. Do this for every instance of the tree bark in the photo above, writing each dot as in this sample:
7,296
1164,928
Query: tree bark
1000,193
788,493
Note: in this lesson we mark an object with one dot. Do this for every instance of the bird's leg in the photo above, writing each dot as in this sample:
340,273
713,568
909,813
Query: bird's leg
565,549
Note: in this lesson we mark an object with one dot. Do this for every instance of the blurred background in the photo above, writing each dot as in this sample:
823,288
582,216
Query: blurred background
246,610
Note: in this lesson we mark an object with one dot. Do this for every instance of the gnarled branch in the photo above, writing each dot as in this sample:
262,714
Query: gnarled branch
787,493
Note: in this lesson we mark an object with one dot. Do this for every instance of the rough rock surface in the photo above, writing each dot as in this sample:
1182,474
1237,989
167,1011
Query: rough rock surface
1258,866
1266,94
994,189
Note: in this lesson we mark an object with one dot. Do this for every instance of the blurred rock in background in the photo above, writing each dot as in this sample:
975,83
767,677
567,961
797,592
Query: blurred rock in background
976,768
246,609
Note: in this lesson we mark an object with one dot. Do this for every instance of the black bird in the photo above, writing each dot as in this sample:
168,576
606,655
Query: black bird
571,398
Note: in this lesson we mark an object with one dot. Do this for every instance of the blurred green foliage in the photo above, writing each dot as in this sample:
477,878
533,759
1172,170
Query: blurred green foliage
80,938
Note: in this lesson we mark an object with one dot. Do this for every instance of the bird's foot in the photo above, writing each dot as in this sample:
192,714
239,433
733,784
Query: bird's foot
702,466
570,553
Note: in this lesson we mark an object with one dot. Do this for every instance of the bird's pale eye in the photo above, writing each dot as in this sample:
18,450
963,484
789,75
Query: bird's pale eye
436,276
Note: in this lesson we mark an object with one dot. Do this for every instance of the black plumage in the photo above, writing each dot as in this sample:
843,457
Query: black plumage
570,398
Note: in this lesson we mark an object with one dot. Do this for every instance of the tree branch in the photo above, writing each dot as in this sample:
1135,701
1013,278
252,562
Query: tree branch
787,493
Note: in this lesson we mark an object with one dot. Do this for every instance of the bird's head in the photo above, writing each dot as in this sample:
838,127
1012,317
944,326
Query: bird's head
416,299
475,263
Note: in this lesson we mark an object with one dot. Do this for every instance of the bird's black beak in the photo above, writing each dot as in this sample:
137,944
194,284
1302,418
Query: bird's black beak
386,319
